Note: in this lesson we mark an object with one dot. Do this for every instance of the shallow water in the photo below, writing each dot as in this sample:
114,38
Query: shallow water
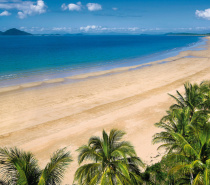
38,58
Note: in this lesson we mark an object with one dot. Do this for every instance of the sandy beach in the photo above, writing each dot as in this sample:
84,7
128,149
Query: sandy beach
43,116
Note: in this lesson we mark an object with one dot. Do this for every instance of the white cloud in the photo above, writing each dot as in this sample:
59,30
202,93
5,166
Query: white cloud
201,28
47,30
5,13
133,29
114,8
42,29
94,28
78,6
89,27
21,15
203,14
148,29
75,7
94,6
72,7
64,7
198,28
61,29
25,8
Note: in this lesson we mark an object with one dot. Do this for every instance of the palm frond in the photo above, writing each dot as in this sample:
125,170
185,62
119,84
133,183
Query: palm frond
54,170
115,136
87,152
18,166
88,173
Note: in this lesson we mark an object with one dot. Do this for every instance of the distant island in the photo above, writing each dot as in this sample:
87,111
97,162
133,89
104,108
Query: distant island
187,34
14,31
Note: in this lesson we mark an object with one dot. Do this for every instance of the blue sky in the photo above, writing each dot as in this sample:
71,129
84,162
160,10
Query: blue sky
104,16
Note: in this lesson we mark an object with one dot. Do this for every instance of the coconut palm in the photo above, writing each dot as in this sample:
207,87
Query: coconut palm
109,161
21,168
205,90
186,136
193,163
176,121
192,98
180,121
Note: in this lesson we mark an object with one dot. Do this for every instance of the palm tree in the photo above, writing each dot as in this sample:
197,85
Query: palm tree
179,121
186,136
113,161
21,168
192,98
176,121
193,163
205,90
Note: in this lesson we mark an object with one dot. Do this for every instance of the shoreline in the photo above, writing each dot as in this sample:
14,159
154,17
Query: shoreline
41,120
173,55
72,75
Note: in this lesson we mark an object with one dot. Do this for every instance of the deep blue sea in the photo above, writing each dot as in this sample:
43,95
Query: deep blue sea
35,58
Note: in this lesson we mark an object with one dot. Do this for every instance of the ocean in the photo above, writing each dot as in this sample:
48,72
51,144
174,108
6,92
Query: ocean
37,58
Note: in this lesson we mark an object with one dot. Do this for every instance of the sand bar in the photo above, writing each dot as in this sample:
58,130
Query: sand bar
44,119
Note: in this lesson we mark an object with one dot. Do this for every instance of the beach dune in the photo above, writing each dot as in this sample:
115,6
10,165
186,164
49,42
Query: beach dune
42,118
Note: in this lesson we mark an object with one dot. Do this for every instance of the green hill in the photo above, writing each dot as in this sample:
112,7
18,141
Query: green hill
15,31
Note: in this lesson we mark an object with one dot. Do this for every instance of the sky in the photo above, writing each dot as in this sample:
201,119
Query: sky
105,16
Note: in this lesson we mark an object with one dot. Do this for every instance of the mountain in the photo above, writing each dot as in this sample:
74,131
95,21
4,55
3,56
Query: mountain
15,31
1,32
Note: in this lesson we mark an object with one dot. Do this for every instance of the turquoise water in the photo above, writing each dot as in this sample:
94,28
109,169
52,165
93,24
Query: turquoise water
35,58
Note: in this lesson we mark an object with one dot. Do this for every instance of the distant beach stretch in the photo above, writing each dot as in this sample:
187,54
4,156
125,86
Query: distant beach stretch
50,105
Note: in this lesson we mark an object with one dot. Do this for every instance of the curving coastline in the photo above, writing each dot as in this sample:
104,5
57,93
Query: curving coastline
84,76
27,64
67,114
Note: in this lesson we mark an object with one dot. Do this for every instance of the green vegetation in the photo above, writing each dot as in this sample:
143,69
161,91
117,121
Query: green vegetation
21,168
114,161
109,160
186,136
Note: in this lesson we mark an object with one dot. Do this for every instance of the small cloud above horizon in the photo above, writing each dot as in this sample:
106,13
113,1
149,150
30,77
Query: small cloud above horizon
205,14
94,6
5,13
72,6
89,27
101,29
78,6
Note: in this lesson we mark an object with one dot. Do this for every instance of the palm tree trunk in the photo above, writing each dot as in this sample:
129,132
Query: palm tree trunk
191,178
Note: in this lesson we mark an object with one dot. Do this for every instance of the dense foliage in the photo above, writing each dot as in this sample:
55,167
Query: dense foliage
186,136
